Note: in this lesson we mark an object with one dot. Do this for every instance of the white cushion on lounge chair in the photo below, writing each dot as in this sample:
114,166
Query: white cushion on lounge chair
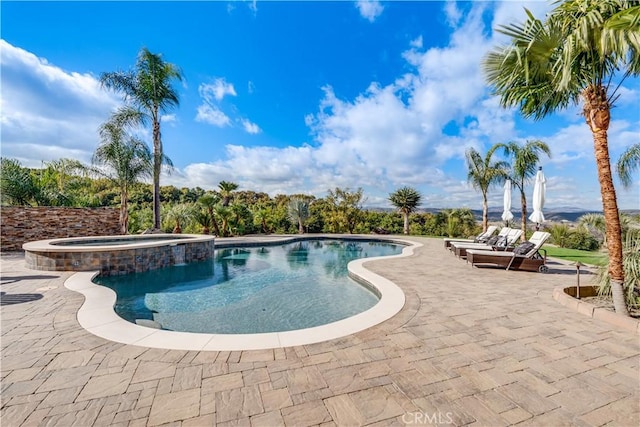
511,235
486,234
537,238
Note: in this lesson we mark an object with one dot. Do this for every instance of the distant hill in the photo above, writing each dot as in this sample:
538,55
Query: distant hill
554,215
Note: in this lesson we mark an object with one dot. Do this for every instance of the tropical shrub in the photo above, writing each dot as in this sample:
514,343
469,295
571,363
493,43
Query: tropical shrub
140,219
560,234
582,240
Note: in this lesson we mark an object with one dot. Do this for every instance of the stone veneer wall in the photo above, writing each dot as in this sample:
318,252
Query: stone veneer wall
118,262
20,224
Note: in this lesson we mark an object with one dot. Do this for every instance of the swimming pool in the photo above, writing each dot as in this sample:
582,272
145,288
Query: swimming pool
253,290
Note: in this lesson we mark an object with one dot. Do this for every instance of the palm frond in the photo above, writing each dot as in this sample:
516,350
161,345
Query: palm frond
628,163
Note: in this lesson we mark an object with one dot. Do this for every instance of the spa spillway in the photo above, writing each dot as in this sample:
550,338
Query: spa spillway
113,255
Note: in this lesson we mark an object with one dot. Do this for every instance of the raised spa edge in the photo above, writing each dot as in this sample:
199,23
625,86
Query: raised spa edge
116,255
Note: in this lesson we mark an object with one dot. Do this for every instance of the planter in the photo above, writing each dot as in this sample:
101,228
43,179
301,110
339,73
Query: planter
567,297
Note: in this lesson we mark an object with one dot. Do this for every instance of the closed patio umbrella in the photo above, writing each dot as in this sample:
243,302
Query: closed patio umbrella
539,189
506,213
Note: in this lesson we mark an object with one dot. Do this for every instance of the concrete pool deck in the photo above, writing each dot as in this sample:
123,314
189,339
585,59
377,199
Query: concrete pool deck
477,346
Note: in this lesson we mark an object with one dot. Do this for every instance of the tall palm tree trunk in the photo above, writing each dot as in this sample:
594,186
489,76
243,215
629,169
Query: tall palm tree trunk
598,115
406,222
523,221
157,166
485,212
124,213
214,221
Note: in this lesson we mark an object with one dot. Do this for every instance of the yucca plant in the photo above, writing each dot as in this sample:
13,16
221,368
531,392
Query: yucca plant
560,233
179,215
631,264
202,217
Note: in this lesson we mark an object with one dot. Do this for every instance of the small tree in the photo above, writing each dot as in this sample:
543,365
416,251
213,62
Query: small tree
484,173
179,215
524,165
202,217
122,159
298,209
406,200
226,189
17,186
225,214
344,210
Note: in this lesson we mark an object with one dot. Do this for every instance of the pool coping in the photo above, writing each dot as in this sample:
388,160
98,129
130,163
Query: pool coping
96,315
163,239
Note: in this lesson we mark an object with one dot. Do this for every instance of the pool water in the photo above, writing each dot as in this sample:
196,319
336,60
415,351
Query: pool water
252,289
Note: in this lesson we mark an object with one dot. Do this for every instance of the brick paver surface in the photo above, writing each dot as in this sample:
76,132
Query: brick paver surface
472,346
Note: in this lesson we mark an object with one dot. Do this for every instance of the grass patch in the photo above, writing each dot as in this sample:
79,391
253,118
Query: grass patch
585,257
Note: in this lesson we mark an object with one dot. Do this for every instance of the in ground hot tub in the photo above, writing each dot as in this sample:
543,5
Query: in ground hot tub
118,254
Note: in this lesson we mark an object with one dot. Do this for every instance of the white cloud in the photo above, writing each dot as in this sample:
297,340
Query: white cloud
216,90
369,9
211,110
212,115
452,13
269,169
250,127
48,113
169,118
416,43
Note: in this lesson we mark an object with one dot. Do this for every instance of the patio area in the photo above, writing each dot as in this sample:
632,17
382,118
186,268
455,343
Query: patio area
472,346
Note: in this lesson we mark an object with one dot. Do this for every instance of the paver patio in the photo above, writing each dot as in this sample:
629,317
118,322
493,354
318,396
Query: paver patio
472,346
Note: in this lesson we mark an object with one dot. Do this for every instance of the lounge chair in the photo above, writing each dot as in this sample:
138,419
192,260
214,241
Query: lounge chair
526,256
506,242
482,237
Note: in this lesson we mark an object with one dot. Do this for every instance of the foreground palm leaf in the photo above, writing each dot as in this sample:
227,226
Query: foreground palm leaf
628,163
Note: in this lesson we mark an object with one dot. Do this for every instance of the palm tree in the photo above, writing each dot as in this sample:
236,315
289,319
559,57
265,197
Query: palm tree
524,164
574,55
122,159
17,186
225,214
406,200
298,209
261,215
203,217
483,174
594,224
180,215
209,202
226,188
149,92
629,162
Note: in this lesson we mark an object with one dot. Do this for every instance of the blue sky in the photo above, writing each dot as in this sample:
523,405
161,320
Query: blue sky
297,97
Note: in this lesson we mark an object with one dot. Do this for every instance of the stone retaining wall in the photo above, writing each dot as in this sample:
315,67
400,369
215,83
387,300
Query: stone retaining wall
20,224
